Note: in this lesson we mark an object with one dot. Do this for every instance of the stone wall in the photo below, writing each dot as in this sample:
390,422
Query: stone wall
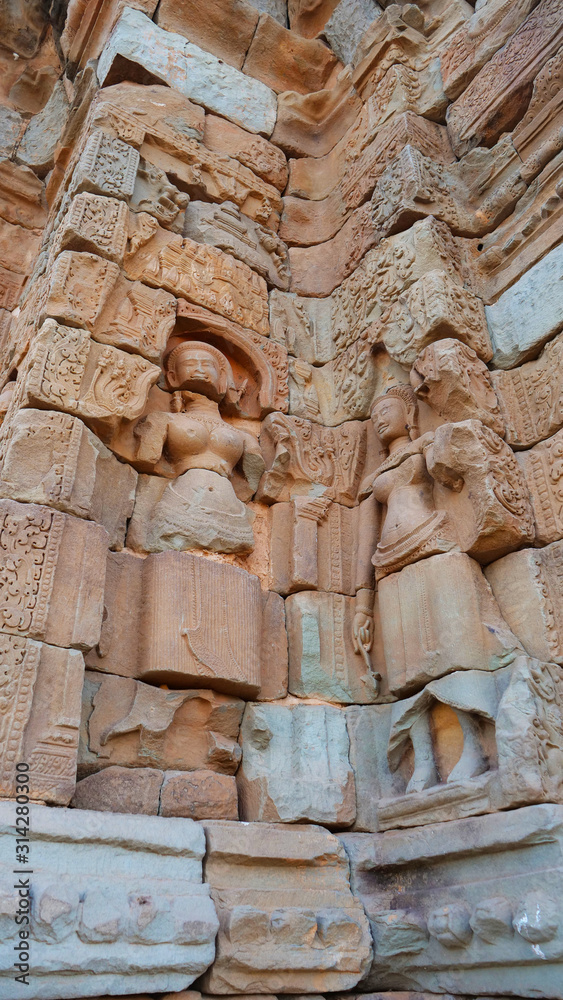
281,514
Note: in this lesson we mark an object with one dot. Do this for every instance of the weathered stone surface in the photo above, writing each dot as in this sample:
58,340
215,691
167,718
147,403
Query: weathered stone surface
472,46
52,458
457,385
346,25
185,67
537,137
166,127
295,765
274,653
310,124
477,920
41,687
120,790
305,459
253,151
530,397
201,641
303,326
543,473
103,385
107,165
79,285
285,61
226,30
37,148
529,313
141,598
199,795
425,638
94,224
288,919
197,511
201,274
308,19
313,546
22,196
11,125
322,660
134,725
224,226
496,99
23,27
467,744
52,575
110,898
528,587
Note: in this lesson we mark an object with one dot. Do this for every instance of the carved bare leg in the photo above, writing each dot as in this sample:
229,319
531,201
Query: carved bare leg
472,761
424,774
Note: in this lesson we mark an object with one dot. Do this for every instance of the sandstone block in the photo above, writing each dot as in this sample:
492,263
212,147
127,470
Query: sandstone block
303,326
94,224
346,25
528,313
527,586
274,662
498,96
425,638
11,124
322,660
225,227
295,765
106,166
116,906
38,145
472,922
79,286
285,61
120,790
201,641
230,287
460,747
226,30
527,418
126,723
22,197
308,20
102,386
185,67
52,575
286,911
41,691
198,795
310,124
52,458
543,472
313,546
253,151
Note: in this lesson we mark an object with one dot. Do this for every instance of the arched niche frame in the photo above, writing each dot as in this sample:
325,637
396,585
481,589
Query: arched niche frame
260,366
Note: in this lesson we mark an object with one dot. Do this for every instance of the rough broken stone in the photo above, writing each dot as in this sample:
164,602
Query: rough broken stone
52,458
120,790
185,67
522,394
528,586
457,385
199,795
37,147
125,900
11,125
226,30
527,314
346,25
41,690
286,912
52,577
322,660
310,124
459,747
432,932
295,766
129,724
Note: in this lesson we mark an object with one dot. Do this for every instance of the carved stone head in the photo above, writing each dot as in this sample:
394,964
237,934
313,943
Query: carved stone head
198,367
395,414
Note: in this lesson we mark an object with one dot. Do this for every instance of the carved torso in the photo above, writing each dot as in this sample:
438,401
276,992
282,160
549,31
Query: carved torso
199,439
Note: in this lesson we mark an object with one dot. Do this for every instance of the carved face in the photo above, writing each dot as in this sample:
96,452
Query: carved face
390,420
196,371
